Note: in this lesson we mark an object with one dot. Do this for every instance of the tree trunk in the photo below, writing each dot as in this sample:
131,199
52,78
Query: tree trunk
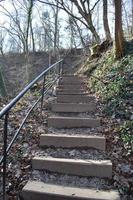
32,37
92,28
119,39
128,30
132,19
56,29
95,34
105,20
3,92
29,13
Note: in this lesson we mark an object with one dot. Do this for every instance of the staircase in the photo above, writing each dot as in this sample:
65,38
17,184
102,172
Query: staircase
74,110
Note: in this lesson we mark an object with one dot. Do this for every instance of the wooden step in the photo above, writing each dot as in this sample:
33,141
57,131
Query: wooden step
90,168
73,107
75,98
70,141
71,91
72,122
34,190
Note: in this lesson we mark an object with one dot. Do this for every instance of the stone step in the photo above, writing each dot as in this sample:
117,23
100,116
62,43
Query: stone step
74,75
71,76
75,98
73,107
71,91
34,190
70,141
72,122
70,87
74,82
89,168
71,80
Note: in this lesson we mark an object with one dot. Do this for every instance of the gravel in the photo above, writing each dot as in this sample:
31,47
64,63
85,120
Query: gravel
72,153
81,115
68,180
77,131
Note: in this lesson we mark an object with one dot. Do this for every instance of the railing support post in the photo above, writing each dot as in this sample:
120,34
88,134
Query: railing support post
60,68
43,88
5,155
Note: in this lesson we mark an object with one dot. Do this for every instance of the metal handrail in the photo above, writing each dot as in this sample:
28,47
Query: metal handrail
21,125
22,93
6,111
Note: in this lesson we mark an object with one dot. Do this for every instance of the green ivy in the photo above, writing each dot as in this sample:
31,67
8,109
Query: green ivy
127,136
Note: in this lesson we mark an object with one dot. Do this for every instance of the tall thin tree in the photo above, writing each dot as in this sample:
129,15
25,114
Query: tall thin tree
119,38
105,20
132,18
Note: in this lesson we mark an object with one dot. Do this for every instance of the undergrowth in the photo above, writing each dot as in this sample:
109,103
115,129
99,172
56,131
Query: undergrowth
112,81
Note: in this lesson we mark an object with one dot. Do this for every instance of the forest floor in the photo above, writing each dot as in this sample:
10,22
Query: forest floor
112,82
19,158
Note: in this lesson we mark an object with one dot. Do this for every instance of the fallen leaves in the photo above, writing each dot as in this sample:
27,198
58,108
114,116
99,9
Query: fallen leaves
22,151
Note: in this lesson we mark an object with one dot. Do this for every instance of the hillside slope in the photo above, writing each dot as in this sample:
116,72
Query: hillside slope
17,70
112,82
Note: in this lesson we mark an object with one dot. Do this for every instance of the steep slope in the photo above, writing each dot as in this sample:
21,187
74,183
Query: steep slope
112,82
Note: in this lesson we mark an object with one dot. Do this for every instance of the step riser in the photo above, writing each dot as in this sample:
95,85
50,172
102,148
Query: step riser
72,142
41,191
75,76
72,79
28,195
73,122
74,99
89,168
70,87
76,108
71,83
72,92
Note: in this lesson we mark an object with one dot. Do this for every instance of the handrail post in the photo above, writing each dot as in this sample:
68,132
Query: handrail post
5,154
60,68
43,88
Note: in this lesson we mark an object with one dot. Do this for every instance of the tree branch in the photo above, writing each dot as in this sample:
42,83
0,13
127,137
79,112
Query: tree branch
95,5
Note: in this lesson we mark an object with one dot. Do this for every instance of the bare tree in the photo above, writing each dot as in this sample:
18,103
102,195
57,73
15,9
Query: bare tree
119,38
56,31
29,25
85,11
3,91
105,20
132,17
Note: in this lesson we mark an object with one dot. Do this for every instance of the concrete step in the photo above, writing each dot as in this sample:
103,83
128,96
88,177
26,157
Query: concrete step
75,98
90,168
71,91
70,87
74,75
72,122
73,107
74,82
34,190
70,141
71,80
68,79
